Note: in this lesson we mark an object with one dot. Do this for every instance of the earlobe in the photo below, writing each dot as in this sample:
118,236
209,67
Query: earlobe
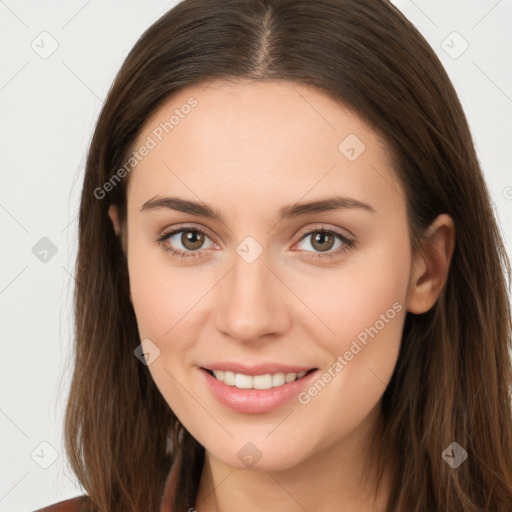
430,266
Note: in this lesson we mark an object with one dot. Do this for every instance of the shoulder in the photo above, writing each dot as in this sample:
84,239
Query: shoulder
70,505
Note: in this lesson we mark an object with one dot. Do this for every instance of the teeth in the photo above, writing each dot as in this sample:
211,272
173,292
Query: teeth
243,381
278,379
229,378
290,377
267,381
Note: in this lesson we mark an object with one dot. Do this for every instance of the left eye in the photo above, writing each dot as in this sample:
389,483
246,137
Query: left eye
323,240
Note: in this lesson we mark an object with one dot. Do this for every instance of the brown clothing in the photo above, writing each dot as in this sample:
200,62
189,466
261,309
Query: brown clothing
73,504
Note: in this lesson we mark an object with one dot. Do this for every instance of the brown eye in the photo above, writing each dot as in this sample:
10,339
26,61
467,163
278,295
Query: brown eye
184,242
192,240
325,243
322,241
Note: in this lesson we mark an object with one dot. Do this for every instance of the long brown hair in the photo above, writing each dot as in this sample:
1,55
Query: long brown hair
453,375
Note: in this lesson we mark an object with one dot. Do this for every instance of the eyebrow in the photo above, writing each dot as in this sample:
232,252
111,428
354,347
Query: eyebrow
285,213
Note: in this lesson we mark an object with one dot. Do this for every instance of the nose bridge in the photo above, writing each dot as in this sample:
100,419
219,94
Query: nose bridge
250,306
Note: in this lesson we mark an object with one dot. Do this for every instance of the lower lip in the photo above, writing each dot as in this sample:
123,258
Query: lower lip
253,401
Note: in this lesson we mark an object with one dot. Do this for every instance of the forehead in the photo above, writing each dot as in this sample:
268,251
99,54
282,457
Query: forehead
246,107
259,136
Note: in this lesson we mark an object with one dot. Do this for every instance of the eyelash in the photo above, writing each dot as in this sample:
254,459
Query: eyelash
348,243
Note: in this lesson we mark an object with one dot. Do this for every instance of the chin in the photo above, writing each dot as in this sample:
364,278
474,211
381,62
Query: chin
262,455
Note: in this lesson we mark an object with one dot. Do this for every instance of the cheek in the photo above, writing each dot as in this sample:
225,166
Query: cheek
167,299
152,302
351,298
366,311
363,305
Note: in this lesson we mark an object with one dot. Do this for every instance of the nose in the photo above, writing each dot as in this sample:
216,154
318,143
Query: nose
252,301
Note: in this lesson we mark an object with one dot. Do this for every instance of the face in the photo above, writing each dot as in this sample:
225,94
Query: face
257,287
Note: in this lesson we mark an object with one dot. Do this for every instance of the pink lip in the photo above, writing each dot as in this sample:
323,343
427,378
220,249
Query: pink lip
253,401
257,369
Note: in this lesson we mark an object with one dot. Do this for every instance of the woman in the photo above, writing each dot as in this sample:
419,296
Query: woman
291,285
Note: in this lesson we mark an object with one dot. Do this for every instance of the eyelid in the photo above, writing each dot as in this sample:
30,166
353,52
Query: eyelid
324,227
303,231
167,232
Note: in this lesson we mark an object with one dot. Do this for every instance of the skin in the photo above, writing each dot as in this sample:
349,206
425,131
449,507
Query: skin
247,149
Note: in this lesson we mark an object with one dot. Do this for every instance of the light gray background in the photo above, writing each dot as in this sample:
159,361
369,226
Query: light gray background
49,105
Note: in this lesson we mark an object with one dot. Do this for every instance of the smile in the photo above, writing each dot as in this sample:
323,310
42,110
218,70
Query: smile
266,381
257,393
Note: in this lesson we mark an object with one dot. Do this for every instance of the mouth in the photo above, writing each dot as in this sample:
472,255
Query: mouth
257,393
263,381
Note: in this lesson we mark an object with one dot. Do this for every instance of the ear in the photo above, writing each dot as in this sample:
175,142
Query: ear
120,231
431,264
113,214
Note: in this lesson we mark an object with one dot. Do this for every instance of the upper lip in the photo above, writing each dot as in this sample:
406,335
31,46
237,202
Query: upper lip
257,369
